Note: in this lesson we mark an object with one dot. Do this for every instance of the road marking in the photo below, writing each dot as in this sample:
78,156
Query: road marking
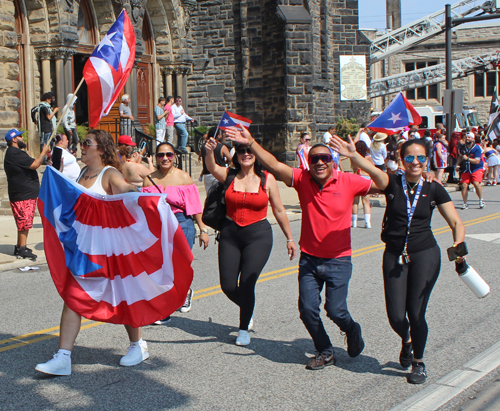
491,238
19,341
439,393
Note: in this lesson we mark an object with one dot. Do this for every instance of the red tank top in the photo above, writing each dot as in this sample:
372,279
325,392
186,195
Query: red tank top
246,208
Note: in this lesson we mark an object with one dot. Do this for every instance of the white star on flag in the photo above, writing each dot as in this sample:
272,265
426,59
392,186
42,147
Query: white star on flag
395,117
226,121
106,41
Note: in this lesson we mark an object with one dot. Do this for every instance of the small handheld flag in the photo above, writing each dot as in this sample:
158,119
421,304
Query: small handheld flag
233,120
109,66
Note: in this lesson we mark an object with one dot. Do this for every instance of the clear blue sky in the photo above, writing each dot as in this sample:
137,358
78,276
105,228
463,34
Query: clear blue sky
372,12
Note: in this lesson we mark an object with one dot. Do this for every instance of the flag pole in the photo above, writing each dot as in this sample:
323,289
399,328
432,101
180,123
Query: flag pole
65,111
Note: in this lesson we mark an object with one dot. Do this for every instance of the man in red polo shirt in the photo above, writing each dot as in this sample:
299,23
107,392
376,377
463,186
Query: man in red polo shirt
326,197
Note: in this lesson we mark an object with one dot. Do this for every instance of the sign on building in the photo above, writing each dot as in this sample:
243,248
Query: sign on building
353,78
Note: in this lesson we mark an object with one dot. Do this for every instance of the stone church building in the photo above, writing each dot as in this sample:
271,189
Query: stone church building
273,61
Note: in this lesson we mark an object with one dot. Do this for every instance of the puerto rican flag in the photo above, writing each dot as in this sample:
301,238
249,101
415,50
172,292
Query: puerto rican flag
304,164
120,259
233,120
109,66
398,115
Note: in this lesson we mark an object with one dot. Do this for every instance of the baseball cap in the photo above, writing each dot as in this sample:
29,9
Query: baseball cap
470,135
11,134
126,140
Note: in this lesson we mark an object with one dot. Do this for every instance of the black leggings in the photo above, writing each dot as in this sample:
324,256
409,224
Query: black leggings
243,253
407,291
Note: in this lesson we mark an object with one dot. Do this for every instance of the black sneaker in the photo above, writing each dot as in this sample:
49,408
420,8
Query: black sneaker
355,343
406,355
16,250
320,361
418,374
163,321
25,252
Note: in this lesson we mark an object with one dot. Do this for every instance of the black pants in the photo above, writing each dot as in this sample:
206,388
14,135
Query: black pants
407,291
243,253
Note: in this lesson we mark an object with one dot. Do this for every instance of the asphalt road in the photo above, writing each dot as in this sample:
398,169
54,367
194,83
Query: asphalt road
195,365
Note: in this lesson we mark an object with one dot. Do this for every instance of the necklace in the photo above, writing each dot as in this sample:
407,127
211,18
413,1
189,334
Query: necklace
412,188
91,177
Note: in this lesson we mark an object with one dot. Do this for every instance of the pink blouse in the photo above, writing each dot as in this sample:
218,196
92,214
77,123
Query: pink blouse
181,198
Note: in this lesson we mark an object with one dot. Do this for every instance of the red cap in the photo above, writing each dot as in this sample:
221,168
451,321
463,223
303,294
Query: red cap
126,140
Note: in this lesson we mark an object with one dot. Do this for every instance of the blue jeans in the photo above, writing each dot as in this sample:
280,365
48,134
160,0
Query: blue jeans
187,225
44,138
182,134
314,272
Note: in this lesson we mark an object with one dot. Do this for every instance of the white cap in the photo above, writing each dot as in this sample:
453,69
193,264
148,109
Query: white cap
470,135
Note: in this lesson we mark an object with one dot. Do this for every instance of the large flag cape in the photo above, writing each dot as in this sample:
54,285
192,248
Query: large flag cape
398,115
109,66
121,258
233,120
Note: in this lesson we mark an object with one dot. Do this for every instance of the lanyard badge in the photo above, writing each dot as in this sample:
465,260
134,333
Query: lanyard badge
404,258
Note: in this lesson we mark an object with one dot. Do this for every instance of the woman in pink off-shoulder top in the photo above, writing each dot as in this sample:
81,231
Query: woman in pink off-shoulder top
183,197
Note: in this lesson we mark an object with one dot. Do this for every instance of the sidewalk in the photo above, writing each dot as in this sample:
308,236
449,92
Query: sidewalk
35,238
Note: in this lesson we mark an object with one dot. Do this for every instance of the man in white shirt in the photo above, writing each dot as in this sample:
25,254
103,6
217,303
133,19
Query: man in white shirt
180,118
69,166
126,117
328,135
362,135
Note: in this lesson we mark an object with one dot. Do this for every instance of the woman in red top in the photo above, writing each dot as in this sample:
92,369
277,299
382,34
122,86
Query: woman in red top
246,236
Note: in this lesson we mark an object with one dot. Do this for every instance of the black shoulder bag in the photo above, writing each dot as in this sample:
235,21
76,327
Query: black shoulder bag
214,211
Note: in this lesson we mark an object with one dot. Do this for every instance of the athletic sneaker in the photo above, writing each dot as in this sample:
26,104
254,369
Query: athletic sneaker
418,374
465,206
243,338
25,252
354,224
368,225
406,355
163,321
250,324
320,361
136,354
481,203
16,250
187,304
59,365
355,343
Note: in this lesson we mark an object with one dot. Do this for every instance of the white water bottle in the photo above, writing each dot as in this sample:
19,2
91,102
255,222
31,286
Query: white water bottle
472,279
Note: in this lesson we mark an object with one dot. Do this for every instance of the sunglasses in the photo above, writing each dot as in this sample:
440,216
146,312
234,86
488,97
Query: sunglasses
325,158
168,154
87,143
244,150
411,158
307,139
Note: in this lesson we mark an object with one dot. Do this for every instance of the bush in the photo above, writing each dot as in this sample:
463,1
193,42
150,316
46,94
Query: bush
346,127
80,128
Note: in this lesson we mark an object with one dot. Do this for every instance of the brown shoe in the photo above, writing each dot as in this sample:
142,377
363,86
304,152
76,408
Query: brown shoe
320,361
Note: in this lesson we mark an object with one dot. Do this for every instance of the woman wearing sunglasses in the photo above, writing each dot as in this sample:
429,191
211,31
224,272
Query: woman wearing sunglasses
412,258
246,236
183,197
303,151
100,176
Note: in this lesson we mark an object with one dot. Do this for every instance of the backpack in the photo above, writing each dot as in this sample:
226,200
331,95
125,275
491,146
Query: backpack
214,211
34,114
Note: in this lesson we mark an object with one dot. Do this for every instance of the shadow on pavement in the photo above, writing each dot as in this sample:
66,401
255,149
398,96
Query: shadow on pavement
7,249
97,381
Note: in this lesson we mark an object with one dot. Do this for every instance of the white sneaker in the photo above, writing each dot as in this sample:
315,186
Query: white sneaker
243,338
250,324
368,225
59,365
187,304
136,354
354,224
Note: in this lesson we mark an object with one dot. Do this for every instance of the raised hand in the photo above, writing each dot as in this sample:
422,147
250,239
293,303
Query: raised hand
344,148
211,144
242,136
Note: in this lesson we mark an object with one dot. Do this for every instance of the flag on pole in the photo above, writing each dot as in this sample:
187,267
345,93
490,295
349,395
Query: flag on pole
398,115
109,66
494,107
494,128
120,259
233,120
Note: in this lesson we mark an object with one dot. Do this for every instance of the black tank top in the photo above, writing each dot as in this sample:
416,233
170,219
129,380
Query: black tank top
219,158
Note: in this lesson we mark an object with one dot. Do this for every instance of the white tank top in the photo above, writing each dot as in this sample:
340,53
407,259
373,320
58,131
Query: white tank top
97,186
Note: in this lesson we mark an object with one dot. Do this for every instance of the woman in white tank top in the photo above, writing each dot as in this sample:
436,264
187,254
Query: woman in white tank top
100,176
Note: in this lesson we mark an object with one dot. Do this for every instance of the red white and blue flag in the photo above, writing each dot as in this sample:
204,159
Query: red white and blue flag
304,164
233,120
120,259
398,115
109,66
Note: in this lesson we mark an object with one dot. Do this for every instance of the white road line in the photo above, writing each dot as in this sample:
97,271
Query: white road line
443,390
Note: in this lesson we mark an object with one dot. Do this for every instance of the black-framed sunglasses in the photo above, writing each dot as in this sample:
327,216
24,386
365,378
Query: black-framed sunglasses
168,154
324,157
243,150
307,139
410,158
87,143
